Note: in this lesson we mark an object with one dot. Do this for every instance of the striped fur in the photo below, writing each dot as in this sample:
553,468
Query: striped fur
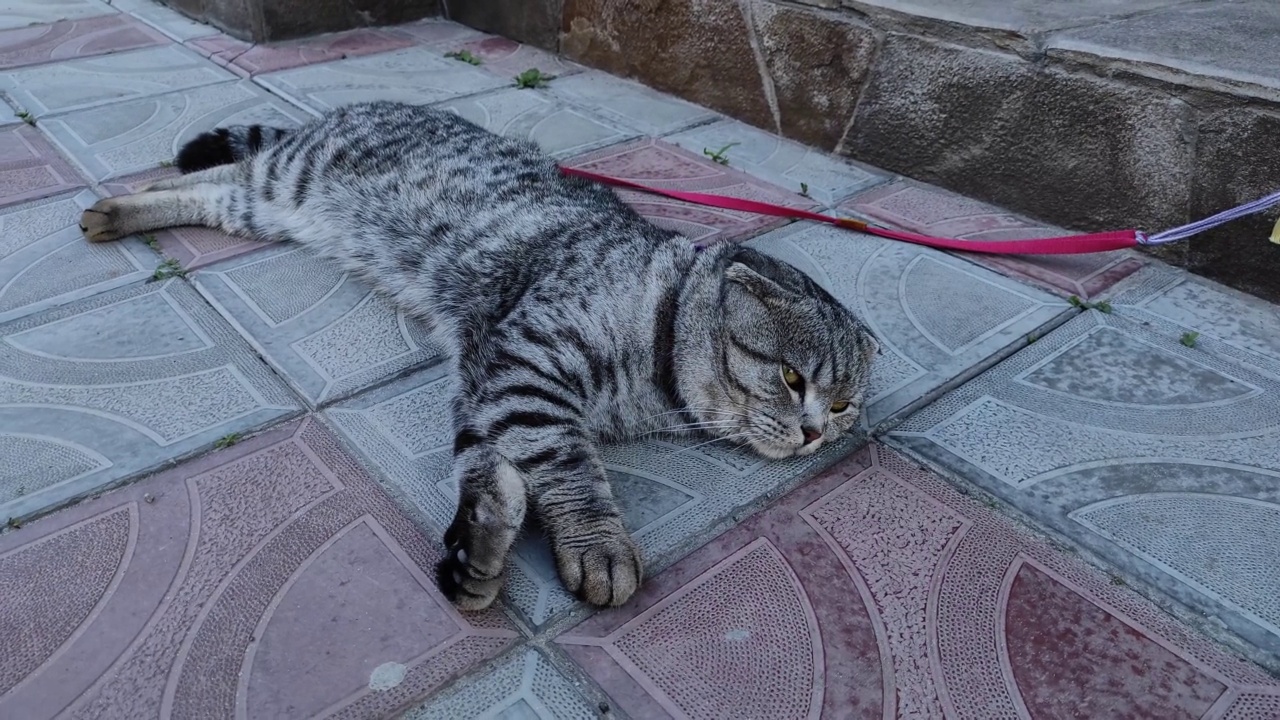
569,319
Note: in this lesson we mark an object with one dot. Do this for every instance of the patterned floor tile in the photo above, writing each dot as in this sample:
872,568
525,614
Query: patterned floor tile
247,59
879,591
271,579
629,104
416,75
93,82
655,163
559,129
132,137
170,22
522,685
671,495
44,260
508,58
787,164
21,13
1158,449
70,39
936,316
438,32
99,390
932,211
30,168
193,247
325,331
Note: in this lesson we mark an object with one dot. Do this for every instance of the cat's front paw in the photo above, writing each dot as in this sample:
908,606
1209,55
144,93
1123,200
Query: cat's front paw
98,223
606,571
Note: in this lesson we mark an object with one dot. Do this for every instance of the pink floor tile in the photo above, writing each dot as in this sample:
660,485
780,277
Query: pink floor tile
934,212
253,59
434,31
69,39
193,247
271,579
509,58
659,164
878,591
30,168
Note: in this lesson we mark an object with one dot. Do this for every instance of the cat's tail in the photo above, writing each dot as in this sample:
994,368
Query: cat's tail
227,145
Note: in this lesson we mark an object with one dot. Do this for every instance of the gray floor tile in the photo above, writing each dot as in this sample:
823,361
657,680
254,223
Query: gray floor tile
99,390
325,331
671,495
629,104
780,161
45,261
560,129
1158,449
21,13
414,75
131,137
936,316
170,22
91,82
521,686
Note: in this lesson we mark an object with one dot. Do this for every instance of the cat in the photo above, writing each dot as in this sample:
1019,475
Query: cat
568,319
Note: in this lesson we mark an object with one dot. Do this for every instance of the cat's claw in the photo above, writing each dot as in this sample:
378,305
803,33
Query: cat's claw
604,573
98,223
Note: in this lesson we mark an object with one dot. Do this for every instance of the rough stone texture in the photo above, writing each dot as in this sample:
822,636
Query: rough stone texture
507,58
70,39
272,579
99,390
44,260
877,590
1161,457
928,335
325,331
30,168
1224,45
657,164
560,129
536,22
272,20
1237,152
94,82
523,685
246,59
671,494
629,104
1023,16
781,162
985,124
701,51
21,13
193,247
417,75
816,64
931,211
131,137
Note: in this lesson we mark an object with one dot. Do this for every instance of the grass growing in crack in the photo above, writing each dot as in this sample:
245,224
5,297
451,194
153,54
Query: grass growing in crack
226,441
1189,338
804,189
151,242
533,78
13,524
166,163
464,56
1101,306
27,118
167,269
1032,338
1118,581
721,156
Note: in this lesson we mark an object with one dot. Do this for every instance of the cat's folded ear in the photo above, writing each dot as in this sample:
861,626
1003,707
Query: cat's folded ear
758,285
870,345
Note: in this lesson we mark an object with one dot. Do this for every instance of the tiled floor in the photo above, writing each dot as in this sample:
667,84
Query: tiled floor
279,440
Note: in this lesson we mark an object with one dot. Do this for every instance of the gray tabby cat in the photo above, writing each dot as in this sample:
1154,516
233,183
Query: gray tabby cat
569,319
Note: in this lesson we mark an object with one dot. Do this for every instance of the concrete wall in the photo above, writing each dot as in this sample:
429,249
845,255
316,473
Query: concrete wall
266,20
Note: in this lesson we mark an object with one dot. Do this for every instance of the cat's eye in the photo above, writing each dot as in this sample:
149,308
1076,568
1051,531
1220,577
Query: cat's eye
792,379
839,407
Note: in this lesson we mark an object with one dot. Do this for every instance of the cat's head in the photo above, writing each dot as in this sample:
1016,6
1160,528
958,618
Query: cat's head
789,366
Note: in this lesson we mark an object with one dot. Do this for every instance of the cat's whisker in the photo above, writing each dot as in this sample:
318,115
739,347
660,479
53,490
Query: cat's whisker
709,442
711,425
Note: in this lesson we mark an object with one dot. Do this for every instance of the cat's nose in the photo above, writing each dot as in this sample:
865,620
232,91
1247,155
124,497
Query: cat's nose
810,435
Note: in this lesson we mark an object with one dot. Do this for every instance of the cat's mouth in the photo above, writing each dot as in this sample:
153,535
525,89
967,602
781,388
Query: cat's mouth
781,451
